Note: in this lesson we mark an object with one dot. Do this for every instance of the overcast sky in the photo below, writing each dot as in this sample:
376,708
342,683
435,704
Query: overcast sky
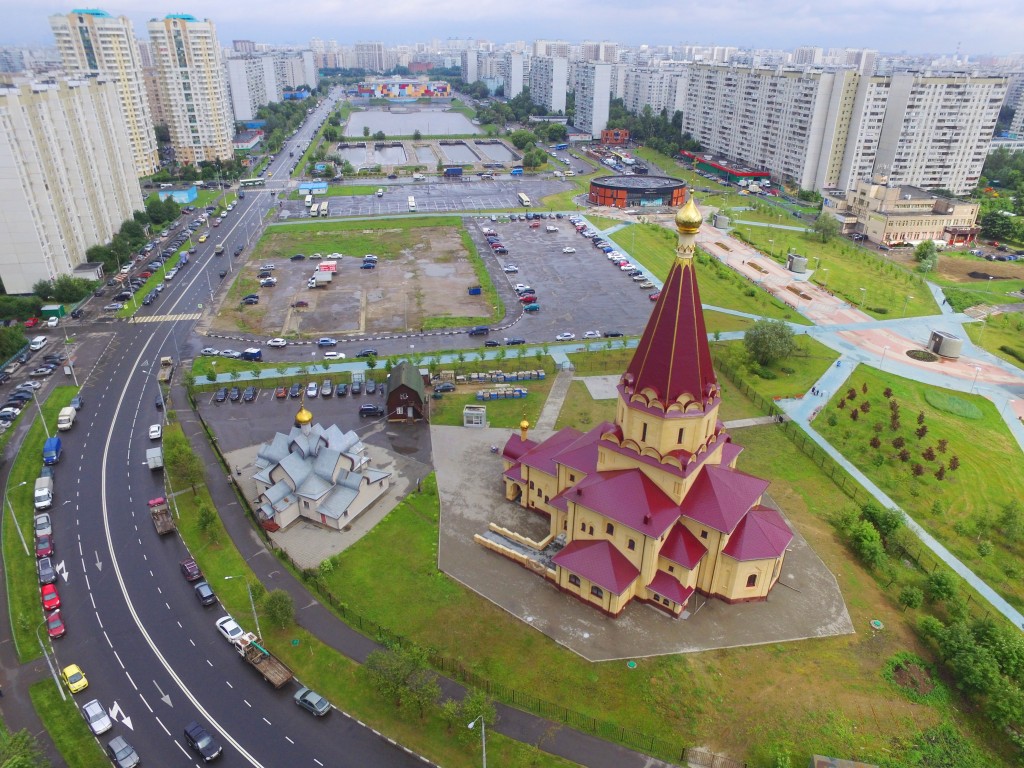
912,26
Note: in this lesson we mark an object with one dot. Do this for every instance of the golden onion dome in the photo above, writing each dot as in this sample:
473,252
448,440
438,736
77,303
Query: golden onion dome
303,416
689,218
524,424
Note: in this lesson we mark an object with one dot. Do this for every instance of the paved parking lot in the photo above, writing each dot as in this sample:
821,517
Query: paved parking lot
453,196
577,292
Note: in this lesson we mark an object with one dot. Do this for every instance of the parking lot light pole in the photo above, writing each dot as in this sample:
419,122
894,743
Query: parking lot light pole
7,496
483,737
252,603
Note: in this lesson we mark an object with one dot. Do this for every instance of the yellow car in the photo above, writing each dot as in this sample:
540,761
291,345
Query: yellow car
74,678
202,238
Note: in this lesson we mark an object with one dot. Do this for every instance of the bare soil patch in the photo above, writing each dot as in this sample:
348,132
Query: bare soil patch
424,272
960,269
913,678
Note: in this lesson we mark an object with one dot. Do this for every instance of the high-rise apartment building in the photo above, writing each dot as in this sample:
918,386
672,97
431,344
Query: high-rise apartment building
921,129
593,97
68,178
655,87
513,74
603,51
558,49
243,46
192,86
370,56
786,121
94,43
549,80
252,83
470,66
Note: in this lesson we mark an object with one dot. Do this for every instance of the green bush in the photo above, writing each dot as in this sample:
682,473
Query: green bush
1012,352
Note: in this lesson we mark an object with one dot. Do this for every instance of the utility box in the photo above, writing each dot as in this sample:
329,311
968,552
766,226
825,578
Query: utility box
52,310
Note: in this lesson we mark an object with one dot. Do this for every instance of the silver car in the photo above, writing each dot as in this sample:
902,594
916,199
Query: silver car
122,753
42,525
97,718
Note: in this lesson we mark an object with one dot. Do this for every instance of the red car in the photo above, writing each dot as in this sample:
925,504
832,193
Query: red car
55,625
496,246
281,393
44,545
32,322
145,274
50,597
654,296
528,298
190,570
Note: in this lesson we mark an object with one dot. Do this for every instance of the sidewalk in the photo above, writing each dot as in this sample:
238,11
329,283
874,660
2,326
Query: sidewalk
552,737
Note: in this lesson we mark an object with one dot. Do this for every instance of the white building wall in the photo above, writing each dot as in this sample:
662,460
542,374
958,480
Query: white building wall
549,78
94,43
194,90
593,97
67,177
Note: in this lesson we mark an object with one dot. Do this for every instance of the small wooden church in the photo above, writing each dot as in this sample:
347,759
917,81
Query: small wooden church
651,507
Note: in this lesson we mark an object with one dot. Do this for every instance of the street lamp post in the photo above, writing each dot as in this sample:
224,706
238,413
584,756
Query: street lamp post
974,381
1001,410
7,496
825,283
42,418
483,737
905,303
771,249
252,603
882,361
863,297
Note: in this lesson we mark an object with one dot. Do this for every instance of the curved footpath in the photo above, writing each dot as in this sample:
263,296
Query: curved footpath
548,735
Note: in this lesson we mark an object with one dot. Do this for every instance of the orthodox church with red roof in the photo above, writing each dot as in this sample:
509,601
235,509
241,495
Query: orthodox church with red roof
651,507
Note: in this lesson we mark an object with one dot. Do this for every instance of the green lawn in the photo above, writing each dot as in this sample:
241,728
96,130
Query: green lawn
845,268
1001,335
795,375
964,509
655,248
602,222
20,568
65,726
500,413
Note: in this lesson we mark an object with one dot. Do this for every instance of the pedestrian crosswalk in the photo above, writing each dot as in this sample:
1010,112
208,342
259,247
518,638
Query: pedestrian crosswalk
166,318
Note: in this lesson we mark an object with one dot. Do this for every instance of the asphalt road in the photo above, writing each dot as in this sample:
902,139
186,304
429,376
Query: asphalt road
149,649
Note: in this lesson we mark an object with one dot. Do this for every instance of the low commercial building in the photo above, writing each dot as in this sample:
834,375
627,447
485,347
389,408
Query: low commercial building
637,191
888,214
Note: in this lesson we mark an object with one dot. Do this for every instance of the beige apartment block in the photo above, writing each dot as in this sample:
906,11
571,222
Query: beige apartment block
67,177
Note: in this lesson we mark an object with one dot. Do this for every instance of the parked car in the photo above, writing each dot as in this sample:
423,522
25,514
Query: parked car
370,411
235,394
565,336
229,628
122,753
200,740
281,392
190,569
311,701
204,593
368,352
97,718
444,386
326,341
277,342
249,394
295,390
220,395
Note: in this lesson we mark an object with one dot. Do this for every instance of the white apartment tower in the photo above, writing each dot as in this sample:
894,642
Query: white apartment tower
655,87
252,82
67,177
93,43
790,122
370,56
922,130
549,80
593,97
470,66
194,95
513,65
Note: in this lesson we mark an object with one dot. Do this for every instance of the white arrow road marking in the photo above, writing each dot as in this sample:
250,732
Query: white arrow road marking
116,713
62,571
163,696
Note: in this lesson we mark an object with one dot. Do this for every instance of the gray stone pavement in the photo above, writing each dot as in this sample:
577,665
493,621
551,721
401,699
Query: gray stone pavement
806,603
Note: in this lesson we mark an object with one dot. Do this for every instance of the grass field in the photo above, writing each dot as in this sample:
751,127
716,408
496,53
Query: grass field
963,511
795,375
999,335
65,725
845,268
654,247
19,567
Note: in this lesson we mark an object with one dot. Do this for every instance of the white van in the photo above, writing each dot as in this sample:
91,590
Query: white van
418,177
43,497
38,343
380,192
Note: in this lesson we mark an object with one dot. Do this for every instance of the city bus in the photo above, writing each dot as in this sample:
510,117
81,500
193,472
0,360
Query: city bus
309,200
412,203
524,200
252,183
561,146
314,209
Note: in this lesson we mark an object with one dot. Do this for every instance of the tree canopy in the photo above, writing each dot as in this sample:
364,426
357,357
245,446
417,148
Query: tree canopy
769,340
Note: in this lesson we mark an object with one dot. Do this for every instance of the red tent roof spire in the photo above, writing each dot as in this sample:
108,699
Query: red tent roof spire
672,363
